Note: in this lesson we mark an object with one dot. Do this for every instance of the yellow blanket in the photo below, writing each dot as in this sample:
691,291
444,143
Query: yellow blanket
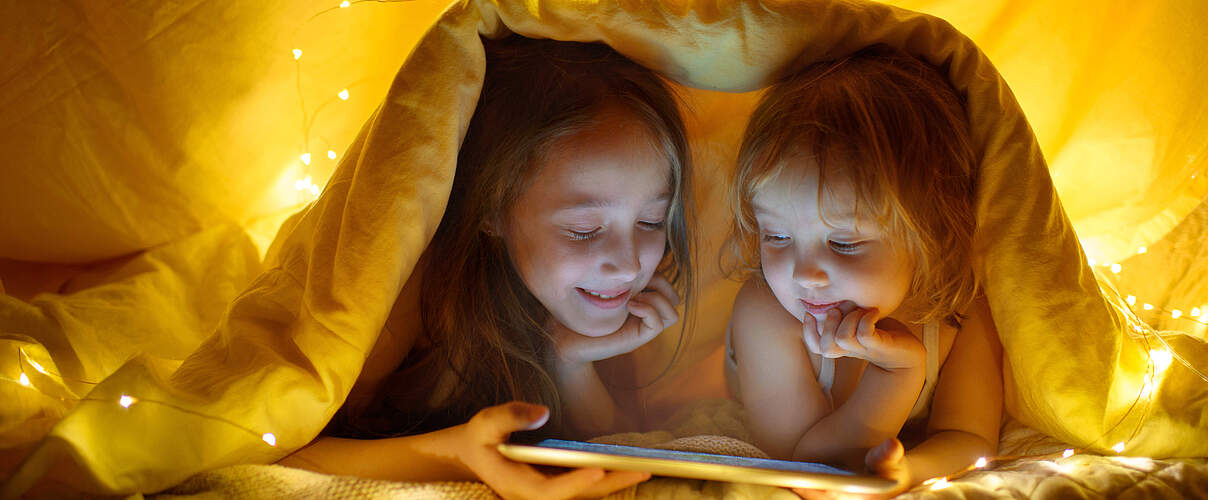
289,347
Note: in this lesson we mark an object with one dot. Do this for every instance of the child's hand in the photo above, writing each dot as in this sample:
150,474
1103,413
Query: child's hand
476,449
886,460
651,312
856,335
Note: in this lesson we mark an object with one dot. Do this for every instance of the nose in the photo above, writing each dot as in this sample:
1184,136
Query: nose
620,256
809,273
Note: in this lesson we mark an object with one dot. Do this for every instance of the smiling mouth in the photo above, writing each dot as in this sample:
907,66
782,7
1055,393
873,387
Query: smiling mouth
819,309
605,299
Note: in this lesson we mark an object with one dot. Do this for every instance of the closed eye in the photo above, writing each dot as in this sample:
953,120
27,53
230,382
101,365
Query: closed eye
582,235
775,238
846,247
652,225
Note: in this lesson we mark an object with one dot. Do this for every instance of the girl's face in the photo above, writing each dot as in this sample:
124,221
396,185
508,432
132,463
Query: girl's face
814,265
587,233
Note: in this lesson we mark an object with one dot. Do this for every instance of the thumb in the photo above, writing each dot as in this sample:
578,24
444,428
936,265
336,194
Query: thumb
497,422
886,457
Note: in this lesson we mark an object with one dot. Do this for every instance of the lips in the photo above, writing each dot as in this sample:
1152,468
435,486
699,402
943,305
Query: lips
819,309
604,299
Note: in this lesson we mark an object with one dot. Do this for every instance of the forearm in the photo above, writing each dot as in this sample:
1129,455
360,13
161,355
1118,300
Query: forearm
586,402
945,453
423,457
876,411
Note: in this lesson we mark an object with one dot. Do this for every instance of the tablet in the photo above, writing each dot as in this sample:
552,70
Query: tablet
695,465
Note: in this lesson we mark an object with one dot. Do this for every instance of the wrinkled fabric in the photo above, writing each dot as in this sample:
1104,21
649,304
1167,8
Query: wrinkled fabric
287,349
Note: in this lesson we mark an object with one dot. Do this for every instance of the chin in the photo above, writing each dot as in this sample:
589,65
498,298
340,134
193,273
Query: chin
598,327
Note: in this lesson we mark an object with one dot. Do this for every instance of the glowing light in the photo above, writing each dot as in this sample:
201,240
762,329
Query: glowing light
305,158
126,401
1146,390
269,438
297,54
1091,262
1067,453
345,4
24,380
1195,311
1116,268
1131,300
314,189
1176,313
331,154
1147,306
981,462
36,366
1118,447
343,95
940,484
1142,250
1161,359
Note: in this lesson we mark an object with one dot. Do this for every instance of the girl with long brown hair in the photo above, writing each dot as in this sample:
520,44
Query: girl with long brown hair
565,241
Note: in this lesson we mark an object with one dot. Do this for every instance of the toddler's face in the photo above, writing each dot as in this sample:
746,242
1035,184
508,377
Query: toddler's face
812,266
587,233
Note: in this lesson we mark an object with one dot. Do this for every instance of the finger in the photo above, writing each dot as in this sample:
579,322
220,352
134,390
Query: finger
809,333
845,334
569,484
660,284
494,424
663,306
613,482
813,494
829,325
885,457
649,316
866,331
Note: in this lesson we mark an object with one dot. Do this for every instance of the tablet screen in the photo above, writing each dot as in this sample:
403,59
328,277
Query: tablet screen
695,465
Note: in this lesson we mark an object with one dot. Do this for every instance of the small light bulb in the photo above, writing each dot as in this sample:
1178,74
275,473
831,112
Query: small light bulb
1195,311
1176,313
1130,300
305,158
981,462
126,401
1142,250
1116,268
297,54
331,154
24,380
269,438
1119,447
1147,306
343,94
345,4
314,189
1161,359
1067,453
940,484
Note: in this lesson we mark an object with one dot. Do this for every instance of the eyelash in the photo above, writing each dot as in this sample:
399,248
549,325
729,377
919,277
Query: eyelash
843,248
581,236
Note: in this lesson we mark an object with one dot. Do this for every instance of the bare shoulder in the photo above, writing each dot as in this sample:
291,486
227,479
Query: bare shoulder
979,324
757,312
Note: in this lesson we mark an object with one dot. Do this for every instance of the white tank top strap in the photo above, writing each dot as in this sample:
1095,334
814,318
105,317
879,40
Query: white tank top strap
931,342
826,379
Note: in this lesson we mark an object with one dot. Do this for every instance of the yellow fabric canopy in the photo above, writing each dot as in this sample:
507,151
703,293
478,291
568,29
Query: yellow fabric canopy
146,145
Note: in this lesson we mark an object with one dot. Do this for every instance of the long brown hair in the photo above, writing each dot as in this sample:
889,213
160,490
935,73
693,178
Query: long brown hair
896,128
483,324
